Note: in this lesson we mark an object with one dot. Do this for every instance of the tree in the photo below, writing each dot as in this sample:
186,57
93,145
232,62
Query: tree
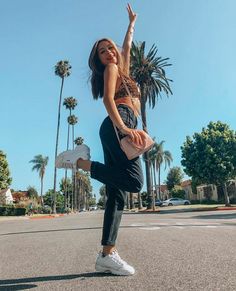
177,192
40,164
49,199
32,192
174,177
158,156
102,199
210,156
79,140
72,120
5,179
148,71
70,103
83,191
62,69
66,189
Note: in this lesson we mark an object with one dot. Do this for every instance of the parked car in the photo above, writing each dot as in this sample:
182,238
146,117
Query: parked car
93,207
158,202
175,201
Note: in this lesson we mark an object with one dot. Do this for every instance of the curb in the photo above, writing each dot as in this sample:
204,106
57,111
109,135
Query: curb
162,211
46,216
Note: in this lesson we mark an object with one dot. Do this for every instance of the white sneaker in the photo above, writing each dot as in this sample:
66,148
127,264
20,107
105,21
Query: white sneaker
113,264
68,159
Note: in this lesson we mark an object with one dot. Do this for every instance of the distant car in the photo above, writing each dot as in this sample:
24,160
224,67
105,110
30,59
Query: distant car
93,207
158,202
175,201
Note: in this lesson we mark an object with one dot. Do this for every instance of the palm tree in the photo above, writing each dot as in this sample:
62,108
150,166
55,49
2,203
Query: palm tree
40,164
70,103
148,71
157,157
79,140
62,69
72,120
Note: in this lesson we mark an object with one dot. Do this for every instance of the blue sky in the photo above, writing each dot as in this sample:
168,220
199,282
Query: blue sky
199,37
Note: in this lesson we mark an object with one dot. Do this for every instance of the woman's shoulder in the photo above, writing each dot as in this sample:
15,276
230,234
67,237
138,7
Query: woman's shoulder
111,67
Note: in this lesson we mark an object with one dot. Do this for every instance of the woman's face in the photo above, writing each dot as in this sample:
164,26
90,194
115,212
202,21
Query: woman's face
107,53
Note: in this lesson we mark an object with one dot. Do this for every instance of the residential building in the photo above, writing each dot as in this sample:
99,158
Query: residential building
6,197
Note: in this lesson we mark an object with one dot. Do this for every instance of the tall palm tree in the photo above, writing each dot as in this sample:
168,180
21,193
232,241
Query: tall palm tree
62,69
158,156
40,164
72,120
79,140
70,103
148,71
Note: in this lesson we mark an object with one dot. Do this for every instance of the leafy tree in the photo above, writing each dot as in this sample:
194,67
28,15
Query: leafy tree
174,177
63,70
148,71
40,164
32,192
5,179
66,188
49,199
84,189
210,156
102,199
177,192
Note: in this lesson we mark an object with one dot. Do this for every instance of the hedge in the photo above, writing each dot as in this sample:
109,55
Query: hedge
12,211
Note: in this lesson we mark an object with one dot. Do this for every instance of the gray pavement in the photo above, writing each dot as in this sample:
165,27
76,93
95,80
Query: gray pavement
170,251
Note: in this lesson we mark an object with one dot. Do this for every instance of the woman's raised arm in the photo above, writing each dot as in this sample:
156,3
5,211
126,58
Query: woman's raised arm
128,38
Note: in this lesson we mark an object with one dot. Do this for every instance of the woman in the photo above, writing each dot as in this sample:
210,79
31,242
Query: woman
110,76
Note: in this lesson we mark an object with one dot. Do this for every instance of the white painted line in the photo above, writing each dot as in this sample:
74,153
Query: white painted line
150,228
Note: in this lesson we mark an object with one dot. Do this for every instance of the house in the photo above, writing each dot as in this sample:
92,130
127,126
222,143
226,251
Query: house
6,197
187,187
207,192
20,196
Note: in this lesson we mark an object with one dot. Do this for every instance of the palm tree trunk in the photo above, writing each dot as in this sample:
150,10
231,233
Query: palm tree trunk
146,159
155,179
41,192
67,147
57,139
227,202
159,181
140,204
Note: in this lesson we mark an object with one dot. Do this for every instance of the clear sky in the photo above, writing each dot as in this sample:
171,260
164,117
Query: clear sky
199,37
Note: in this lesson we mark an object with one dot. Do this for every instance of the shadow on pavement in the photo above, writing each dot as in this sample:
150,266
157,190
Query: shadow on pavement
17,287
7,284
216,216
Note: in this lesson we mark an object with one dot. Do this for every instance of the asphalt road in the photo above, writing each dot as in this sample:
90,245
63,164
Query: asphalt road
170,251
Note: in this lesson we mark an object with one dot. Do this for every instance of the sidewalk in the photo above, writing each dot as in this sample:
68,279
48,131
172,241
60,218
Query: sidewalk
33,217
182,208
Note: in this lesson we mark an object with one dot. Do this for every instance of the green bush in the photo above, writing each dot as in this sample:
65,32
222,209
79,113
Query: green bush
208,201
177,192
12,210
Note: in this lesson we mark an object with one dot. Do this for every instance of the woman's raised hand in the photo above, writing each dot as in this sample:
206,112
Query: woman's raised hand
132,15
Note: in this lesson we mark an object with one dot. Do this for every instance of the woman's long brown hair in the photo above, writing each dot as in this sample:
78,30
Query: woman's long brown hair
97,68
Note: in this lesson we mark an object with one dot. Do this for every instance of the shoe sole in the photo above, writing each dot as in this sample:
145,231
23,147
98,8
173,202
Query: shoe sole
114,272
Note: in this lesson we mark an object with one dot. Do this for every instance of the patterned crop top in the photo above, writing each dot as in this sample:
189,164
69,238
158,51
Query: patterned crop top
133,88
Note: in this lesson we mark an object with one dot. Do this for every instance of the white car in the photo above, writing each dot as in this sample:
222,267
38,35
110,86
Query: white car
175,201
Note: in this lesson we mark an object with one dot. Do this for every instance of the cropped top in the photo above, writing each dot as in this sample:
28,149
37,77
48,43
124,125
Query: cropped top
133,88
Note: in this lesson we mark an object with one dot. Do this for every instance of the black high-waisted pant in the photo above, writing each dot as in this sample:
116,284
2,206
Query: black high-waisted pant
119,174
